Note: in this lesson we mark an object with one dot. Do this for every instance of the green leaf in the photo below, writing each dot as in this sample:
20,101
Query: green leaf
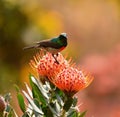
31,83
29,90
73,114
82,114
8,108
31,102
59,99
37,103
10,114
10,111
47,112
68,103
26,115
57,107
53,110
40,86
36,91
74,101
17,88
21,102
48,85
37,94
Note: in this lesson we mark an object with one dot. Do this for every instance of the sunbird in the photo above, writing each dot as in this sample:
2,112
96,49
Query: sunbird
53,45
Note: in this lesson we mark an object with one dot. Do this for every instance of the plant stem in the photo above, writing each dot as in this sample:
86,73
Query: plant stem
67,105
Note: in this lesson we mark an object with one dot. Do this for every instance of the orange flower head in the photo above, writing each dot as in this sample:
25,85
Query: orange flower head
71,80
46,64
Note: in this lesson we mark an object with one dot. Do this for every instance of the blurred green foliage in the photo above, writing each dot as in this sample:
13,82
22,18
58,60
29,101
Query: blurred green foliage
12,24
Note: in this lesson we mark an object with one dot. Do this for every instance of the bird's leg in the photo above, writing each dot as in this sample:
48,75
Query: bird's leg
55,58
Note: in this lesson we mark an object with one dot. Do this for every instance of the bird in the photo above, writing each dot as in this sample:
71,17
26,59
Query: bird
53,45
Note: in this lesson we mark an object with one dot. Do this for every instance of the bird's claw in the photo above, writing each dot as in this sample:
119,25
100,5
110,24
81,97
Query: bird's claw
56,61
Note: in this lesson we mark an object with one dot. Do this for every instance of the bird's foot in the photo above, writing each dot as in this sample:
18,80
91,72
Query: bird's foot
55,58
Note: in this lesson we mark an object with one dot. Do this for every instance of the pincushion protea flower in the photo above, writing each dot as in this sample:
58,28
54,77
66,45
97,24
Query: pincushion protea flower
70,80
63,75
46,65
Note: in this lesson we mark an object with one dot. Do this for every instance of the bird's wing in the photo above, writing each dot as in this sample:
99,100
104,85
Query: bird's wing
48,43
42,41
44,44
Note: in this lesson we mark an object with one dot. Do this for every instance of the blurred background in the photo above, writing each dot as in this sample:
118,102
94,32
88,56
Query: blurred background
93,28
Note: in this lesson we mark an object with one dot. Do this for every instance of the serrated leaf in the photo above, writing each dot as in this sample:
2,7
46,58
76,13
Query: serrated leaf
21,102
35,108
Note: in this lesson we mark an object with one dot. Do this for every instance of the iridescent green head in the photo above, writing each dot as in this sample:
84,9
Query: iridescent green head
63,39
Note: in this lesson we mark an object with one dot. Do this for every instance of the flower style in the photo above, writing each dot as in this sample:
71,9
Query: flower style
70,80
46,64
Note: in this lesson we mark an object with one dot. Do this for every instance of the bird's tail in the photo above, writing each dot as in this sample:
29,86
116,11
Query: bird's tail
30,47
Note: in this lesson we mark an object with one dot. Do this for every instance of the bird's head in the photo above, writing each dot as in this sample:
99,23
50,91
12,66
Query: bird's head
63,39
63,35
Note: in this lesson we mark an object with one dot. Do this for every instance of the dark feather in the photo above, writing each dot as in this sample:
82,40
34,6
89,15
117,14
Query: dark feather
44,44
28,47
48,44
